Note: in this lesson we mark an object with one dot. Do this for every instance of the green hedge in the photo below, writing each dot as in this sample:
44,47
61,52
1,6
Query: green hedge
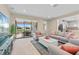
12,29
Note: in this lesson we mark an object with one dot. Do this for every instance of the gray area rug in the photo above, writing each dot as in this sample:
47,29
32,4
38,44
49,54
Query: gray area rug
42,50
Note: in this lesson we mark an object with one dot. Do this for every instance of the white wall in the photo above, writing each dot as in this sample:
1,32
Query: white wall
52,25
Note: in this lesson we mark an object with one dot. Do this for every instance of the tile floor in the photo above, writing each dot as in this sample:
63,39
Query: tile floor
24,47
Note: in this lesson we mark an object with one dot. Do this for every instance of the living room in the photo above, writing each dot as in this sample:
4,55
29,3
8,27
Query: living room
40,29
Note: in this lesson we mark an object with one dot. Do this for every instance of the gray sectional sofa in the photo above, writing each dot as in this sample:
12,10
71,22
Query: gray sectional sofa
55,50
66,40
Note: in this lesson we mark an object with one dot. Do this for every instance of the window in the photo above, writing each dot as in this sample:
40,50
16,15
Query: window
4,25
23,25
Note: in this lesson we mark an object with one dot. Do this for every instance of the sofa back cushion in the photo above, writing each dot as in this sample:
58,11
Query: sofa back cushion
38,33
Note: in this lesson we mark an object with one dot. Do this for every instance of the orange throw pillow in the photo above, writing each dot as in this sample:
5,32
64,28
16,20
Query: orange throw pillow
73,49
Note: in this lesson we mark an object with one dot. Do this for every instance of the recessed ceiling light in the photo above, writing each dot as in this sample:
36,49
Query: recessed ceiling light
53,5
48,16
24,10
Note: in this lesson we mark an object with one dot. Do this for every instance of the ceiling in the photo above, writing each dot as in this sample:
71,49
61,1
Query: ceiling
43,10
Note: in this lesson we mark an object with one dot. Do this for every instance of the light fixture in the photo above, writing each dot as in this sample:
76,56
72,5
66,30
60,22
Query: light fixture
24,10
53,5
48,16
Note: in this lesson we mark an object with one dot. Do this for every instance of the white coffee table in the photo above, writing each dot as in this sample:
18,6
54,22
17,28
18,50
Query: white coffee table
47,42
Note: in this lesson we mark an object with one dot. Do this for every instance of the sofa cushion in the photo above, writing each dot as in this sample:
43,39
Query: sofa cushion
73,49
38,33
47,37
53,33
